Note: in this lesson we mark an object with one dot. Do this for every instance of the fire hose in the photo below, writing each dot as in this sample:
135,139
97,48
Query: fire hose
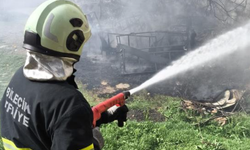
118,100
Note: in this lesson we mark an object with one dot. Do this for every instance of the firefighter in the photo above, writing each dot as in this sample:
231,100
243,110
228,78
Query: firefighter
41,108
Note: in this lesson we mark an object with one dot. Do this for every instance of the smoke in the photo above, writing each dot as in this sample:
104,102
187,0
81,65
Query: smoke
13,16
119,16
215,49
210,79
124,17
228,72
143,15
203,82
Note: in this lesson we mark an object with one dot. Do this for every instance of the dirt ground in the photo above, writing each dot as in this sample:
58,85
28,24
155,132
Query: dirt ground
101,75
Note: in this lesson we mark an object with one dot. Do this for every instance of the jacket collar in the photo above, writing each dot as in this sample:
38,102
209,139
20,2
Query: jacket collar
42,67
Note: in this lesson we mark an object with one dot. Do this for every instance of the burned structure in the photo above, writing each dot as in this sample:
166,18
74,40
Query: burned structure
146,36
146,52
138,45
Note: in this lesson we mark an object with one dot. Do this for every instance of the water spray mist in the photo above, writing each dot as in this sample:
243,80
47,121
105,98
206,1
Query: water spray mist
227,43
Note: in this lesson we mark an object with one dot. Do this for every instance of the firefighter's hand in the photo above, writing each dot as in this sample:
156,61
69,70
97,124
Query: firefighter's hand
112,114
98,139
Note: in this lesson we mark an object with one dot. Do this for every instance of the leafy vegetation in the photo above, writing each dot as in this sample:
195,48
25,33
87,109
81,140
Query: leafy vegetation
177,131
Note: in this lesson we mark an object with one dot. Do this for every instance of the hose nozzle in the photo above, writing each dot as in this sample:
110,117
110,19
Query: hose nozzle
126,94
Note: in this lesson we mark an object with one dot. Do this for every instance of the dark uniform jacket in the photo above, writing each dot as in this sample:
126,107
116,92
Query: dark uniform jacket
45,115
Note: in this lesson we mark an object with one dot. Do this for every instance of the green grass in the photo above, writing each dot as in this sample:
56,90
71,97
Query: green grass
172,135
9,63
178,131
92,98
167,135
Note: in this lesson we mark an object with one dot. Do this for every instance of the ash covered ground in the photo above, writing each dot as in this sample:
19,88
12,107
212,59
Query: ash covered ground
101,74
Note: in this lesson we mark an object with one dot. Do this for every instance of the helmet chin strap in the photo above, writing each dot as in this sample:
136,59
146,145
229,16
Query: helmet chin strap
42,67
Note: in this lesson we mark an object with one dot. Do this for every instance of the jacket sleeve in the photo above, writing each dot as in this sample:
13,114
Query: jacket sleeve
74,131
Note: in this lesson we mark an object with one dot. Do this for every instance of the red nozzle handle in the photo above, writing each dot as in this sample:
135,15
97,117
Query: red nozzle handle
103,106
